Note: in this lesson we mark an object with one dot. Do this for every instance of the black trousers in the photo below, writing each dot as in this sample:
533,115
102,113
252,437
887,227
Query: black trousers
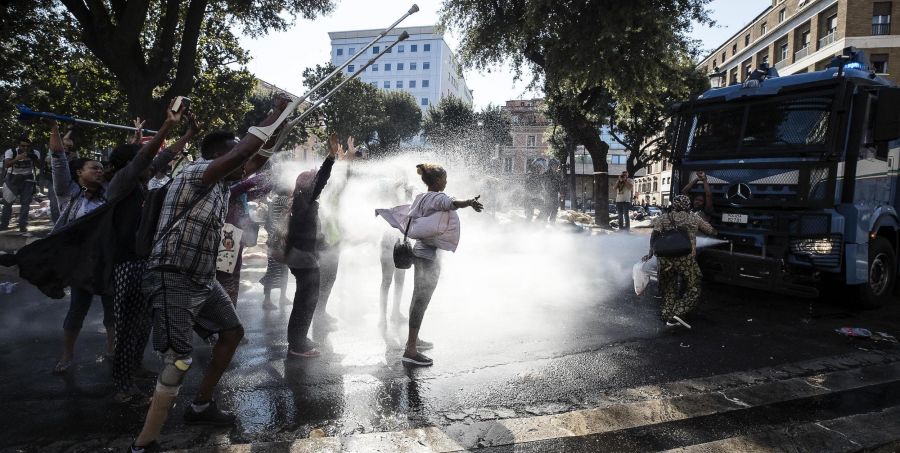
305,300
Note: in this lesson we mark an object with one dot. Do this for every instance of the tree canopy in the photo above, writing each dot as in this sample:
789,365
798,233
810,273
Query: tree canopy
356,110
402,119
584,54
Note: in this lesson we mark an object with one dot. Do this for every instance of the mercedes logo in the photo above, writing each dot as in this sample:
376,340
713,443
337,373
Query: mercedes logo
738,193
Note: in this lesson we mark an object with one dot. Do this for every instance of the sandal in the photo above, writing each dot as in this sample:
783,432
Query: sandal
62,366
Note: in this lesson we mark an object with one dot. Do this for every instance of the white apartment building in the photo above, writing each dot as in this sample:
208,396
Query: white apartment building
422,65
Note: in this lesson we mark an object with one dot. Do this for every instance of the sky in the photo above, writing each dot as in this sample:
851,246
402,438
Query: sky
281,57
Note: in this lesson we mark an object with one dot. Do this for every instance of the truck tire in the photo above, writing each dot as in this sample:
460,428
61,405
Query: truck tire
882,275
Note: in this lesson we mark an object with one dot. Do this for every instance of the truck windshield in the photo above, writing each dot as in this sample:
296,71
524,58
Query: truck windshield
771,126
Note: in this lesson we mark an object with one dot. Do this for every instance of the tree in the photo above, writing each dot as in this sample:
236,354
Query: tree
49,69
643,127
401,122
494,126
584,54
152,48
356,110
449,122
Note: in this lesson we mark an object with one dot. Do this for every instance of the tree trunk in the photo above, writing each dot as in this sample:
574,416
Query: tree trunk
142,104
573,204
598,151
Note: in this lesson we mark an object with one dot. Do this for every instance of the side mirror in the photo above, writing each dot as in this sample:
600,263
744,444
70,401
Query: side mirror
887,115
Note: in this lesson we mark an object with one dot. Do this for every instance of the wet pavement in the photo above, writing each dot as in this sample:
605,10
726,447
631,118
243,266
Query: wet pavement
513,340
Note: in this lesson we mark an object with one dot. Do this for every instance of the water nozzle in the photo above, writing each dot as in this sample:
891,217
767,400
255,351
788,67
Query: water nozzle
414,9
403,36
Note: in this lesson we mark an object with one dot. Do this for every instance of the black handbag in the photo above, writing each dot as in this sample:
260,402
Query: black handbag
403,251
672,243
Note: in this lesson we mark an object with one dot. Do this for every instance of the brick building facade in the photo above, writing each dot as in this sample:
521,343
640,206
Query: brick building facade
797,36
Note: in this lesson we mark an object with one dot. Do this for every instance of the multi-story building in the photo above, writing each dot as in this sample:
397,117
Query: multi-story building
654,186
528,128
797,36
422,65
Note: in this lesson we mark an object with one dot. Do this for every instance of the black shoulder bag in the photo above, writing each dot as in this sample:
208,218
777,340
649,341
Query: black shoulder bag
672,243
403,251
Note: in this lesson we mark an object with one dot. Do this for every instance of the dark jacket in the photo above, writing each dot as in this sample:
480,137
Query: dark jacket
303,228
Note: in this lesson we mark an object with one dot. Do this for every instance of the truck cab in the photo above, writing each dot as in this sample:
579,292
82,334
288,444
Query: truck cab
803,175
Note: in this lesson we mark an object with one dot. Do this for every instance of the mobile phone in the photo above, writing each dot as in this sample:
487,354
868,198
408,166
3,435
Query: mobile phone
181,102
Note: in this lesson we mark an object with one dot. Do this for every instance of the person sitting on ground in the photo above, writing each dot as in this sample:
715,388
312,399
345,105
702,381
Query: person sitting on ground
674,308
180,281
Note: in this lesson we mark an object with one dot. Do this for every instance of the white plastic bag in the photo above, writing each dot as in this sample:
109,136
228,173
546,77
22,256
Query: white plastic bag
641,278
642,273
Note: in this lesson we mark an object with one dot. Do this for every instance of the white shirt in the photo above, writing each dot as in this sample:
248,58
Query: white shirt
22,167
626,193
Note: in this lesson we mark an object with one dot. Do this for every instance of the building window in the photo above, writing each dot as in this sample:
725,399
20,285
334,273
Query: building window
765,59
425,84
401,48
879,63
664,165
352,50
723,57
747,40
426,47
412,83
399,84
388,50
399,66
387,66
734,49
507,164
804,39
783,52
351,68
424,101
763,28
781,16
530,141
376,49
413,47
832,24
387,84
412,66
881,18
340,52
426,66
375,67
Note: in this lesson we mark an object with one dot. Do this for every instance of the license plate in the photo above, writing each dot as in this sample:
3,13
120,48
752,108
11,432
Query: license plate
734,218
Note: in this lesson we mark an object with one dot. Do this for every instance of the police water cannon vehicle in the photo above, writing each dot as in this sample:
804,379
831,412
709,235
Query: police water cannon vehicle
803,173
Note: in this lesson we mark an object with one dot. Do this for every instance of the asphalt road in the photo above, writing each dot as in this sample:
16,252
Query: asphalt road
515,336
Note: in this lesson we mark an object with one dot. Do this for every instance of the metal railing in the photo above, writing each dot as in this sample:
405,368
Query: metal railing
801,53
828,39
881,29
781,63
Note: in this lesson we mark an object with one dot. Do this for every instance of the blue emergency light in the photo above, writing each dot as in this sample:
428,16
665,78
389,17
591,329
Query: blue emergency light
850,58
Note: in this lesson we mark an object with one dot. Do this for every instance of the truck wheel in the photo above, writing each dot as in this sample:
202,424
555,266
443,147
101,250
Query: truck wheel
882,274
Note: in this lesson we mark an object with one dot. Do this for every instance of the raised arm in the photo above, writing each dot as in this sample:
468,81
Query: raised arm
246,148
162,159
707,196
334,147
59,162
139,130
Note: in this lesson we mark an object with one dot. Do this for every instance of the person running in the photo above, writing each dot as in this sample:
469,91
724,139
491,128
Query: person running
426,259
82,185
302,253
180,281
674,308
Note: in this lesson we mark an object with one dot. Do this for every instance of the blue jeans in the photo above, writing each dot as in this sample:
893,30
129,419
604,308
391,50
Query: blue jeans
23,187
624,209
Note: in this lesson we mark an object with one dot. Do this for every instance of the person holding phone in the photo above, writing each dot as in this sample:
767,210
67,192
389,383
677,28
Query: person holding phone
20,163
624,194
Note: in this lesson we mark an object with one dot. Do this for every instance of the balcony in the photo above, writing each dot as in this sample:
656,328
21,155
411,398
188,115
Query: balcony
830,38
781,63
802,53
881,29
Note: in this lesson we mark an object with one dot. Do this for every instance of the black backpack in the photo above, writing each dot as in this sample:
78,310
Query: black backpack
672,243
